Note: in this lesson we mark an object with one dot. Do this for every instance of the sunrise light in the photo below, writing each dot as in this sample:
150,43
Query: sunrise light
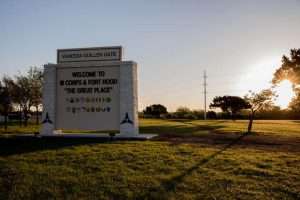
285,94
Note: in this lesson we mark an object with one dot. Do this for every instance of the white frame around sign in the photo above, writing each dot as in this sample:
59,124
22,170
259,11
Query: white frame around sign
128,95
117,49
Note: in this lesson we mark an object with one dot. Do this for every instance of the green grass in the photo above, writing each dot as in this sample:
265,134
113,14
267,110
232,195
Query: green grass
39,168
196,127
14,128
193,127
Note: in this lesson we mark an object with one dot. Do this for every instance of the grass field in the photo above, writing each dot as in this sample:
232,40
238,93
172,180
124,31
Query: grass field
189,160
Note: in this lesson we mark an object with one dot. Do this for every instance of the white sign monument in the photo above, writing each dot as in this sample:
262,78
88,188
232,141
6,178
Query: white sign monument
90,89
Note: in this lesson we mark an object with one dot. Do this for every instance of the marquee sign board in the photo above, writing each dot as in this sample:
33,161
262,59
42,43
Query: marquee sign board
89,90
85,94
89,54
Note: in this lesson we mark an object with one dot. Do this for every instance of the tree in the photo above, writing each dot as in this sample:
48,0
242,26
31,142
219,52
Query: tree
290,70
258,101
273,112
15,94
211,114
35,76
5,103
230,104
22,95
197,114
26,92
183,112
155,110
295,103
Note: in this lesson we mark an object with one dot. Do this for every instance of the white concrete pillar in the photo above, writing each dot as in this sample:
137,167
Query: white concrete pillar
129,125
49,100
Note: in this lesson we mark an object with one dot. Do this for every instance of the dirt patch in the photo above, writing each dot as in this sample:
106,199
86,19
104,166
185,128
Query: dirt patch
259,142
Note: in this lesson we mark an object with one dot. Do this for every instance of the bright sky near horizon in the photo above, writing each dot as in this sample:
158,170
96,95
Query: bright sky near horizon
239,43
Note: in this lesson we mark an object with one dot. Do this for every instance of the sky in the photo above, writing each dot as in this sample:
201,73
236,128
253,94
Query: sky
239,43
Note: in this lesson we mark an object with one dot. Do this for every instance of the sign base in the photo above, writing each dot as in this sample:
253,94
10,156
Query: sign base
58,134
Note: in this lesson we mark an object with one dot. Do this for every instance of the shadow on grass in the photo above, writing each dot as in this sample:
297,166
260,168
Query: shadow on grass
170,185
25,144
188,128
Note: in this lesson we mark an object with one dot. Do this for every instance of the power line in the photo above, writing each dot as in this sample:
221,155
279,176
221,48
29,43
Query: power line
205,92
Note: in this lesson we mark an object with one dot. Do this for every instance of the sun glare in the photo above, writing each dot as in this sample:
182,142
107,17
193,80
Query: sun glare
258,75
285,94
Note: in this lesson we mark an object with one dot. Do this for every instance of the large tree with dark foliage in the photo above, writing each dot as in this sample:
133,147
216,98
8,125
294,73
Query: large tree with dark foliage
5,103
290,70
230,104
155,110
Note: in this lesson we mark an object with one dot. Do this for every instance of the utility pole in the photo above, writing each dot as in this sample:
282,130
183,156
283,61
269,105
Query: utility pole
204,85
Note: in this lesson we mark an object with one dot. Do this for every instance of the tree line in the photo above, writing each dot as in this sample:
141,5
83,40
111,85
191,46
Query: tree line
253,105
22,94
